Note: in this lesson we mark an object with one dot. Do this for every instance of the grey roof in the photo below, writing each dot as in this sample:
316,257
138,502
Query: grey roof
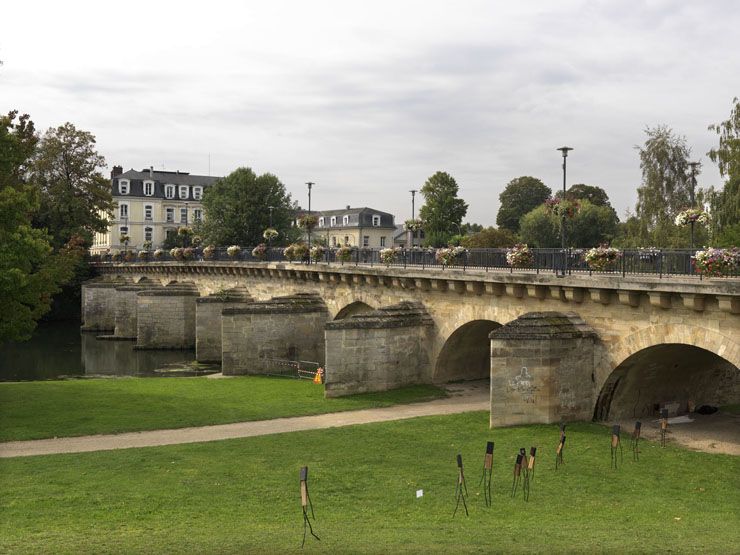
160,178
362,216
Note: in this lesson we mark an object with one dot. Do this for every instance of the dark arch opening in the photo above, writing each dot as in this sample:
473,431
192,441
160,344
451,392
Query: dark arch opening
357,307
668,374
466,355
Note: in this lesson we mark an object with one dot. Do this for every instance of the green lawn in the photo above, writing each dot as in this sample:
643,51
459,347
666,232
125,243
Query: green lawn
241,496
34,410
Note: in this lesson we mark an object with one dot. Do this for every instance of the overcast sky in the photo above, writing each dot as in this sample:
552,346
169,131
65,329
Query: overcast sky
368,99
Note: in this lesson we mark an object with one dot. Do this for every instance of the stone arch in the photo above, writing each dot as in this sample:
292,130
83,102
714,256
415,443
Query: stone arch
356,307
466,354
666,364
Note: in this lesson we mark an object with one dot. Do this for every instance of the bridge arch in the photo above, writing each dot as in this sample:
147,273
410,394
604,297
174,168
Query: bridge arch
466,354
667,364
355,307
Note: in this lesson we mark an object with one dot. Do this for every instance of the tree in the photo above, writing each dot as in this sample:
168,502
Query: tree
489,238
75,196
727,155
443,211
724,206
666,180
237,209
539,228
30,272
521,195
581,191
591,226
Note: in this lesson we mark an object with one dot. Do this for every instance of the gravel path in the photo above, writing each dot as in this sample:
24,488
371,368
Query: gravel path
463,398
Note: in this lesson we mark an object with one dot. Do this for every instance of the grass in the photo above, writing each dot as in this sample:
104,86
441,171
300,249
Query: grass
241,496
35,410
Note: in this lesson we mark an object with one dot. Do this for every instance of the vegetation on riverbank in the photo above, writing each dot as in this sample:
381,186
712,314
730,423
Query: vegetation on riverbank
241,496
35,410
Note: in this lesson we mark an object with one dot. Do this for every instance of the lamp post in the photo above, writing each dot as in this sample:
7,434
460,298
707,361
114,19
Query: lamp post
269,239
413,215
310,185
693,165
564,150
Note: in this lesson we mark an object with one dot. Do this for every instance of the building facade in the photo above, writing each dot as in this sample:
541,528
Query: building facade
150,204
356,227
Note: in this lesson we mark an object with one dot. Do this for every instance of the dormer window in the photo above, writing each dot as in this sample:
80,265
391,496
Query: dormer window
321,222
333,221
197,193
376,220
345,220
148,188
169,191
123,186
184,191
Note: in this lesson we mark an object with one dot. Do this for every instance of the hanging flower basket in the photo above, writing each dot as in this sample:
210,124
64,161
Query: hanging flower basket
295,251
602,257
209,253
234,251
688,215
116,257
144,255
519,256
188,253
450,255
270,233
413,225
260,251
344,254
196,240
317,253
308,221
713,262
177,253
129,256
184,231
562,207
159,254
388,256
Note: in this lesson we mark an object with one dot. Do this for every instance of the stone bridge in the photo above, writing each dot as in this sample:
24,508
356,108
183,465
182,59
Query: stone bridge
572,348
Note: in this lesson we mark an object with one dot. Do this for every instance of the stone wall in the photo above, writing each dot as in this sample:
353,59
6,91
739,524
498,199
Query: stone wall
99,304
254,337
126,302
379,350
166,317
208,321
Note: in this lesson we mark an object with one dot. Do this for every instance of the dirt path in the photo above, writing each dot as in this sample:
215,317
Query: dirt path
463,398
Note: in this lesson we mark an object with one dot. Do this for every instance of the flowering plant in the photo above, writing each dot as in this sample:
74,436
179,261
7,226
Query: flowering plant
689,215
295,251
270,233
184,231
519,256
234,251
147,245
317,253
116,256
450,255
129,256
124,239
159,254
177,253
717,262
344,253
563,207
413,225
197,240
209,252
260,251
388,256
188,253
599,258
144,255
308,221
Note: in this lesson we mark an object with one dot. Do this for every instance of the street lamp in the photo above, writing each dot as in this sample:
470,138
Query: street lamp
693,165
564,150
413,231
310,185
269,238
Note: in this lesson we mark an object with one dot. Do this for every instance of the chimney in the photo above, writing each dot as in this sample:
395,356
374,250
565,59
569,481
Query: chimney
348,207
151,172
116,171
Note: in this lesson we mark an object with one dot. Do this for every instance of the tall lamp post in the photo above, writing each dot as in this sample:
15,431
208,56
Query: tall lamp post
310,185
413,215
564,150
269,239
693,165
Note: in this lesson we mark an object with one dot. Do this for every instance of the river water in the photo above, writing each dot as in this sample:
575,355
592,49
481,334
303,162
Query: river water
59,349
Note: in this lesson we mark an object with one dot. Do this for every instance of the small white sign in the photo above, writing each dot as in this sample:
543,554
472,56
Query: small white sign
419,493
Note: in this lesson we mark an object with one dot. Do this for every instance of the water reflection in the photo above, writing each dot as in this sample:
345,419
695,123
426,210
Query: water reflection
59,349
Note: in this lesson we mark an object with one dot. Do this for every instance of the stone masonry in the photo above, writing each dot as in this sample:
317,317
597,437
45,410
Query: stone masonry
166,317
208,321
99,304
126,308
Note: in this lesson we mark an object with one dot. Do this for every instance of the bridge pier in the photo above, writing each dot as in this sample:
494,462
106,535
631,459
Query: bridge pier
378,350
126,309
99,304
282,328
166,317
208,321
542,368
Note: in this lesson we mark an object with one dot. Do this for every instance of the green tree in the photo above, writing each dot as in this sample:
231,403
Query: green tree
75,196
443,210
237,209
591,226
489,238
540,229
520,196
727,154
581,191
30,271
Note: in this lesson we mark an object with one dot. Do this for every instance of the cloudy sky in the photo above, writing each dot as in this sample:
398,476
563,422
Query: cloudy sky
368,99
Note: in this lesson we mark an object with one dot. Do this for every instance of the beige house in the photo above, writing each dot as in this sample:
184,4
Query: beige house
363,227
150,205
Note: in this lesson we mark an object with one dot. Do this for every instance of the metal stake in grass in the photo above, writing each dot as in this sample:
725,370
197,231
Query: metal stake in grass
461,488
561,446
305,505
529,471
663,426
616,446
517,473
634,441
487,473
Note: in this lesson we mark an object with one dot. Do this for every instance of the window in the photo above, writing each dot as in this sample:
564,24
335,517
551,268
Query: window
376,220
148,188
123,209
382,241
170,212
346,239
148,211
183,215
333,221
345,220
147,234
334,241
366,241
197,215
124,230
321,222
169,191
197,193
123,186
183,191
